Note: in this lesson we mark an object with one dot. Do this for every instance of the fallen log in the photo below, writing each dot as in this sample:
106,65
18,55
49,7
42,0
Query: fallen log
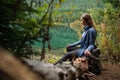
11,68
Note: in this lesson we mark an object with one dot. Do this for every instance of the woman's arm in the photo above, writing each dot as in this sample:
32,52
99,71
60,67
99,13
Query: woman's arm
78,42
74,44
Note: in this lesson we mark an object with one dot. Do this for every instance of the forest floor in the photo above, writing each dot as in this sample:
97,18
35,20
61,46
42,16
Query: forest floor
109,72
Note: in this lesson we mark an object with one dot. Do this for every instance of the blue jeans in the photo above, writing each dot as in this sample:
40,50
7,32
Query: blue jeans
69,55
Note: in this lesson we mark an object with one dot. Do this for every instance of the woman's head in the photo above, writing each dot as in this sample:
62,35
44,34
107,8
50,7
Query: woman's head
86,20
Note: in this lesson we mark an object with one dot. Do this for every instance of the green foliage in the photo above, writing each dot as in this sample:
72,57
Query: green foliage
21,22
115,3
70,10
11,29
107,18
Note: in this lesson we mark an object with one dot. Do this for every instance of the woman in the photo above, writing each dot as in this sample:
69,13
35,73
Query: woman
87,42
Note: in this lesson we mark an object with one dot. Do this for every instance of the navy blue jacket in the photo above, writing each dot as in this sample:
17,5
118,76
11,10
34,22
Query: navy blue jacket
87,41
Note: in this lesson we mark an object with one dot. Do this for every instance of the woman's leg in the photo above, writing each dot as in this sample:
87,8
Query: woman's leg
80,53
64,58
67,56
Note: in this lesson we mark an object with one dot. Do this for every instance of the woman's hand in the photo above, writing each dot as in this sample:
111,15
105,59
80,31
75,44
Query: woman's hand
87,52
68,46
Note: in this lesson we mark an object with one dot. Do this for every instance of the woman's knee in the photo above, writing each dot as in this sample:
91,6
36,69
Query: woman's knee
68,54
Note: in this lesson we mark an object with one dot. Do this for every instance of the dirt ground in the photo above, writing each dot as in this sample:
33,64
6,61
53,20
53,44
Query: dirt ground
109,72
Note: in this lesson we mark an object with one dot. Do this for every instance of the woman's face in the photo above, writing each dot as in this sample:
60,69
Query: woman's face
83,23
